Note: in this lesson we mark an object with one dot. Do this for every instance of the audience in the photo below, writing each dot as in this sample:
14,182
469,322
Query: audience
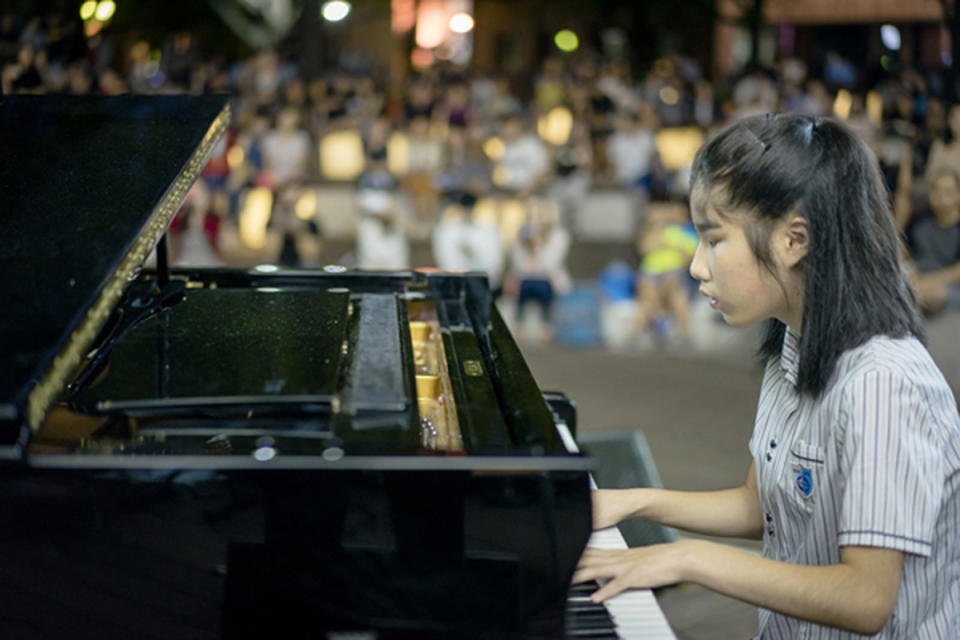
464,163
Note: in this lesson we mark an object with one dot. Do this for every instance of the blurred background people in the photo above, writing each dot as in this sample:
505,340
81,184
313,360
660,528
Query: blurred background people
934,240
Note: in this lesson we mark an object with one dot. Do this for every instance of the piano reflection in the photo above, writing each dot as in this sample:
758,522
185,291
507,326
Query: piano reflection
240,453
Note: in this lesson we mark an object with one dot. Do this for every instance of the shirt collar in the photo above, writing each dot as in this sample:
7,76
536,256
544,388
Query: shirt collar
790,355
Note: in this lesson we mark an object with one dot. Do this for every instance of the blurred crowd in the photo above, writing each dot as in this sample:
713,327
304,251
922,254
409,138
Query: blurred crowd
493,172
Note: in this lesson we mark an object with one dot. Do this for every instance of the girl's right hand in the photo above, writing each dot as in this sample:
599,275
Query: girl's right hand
610,506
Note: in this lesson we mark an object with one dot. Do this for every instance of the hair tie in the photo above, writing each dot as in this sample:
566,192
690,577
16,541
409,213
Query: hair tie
763,145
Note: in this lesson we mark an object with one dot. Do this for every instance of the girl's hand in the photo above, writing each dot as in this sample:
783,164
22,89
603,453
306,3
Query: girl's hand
637,568
611,506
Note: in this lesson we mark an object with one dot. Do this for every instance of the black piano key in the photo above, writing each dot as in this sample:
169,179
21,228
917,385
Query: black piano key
583,588
593,633
587,619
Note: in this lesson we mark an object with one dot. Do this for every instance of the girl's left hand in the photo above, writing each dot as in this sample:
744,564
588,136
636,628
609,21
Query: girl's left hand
640,567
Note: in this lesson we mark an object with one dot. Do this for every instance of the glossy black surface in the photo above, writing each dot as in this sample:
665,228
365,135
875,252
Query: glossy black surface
258,514
228,346
79,176
197,479
319,363
191,555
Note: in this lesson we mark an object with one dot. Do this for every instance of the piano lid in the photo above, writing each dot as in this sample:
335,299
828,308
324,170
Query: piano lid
88,184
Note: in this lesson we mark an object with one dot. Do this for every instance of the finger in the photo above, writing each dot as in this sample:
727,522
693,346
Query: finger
580,576
600,554
592,573
601,559
608,590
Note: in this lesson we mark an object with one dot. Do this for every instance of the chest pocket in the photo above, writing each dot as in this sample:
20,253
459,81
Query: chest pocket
801,482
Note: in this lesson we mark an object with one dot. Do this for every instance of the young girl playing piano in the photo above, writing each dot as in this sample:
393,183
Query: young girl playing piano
855,481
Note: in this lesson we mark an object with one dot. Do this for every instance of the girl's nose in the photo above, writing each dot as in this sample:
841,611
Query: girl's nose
698,267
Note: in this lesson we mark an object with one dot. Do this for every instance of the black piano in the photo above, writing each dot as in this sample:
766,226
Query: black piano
252,453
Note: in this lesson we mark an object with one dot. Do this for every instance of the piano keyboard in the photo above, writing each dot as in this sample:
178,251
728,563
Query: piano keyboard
634,613
586,619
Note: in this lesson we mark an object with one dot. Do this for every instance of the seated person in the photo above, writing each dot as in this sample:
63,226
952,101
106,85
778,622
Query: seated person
667,244
537,270
933,238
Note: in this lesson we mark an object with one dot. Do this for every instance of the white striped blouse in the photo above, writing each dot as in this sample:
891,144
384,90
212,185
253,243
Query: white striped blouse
875,461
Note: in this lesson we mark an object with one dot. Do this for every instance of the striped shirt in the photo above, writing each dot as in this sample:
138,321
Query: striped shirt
875,461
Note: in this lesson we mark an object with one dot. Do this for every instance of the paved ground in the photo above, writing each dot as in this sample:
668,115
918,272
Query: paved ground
696,411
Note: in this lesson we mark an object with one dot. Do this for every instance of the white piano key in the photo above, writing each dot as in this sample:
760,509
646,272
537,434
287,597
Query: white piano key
635,611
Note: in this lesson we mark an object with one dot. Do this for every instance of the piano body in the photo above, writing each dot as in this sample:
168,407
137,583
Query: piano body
196,453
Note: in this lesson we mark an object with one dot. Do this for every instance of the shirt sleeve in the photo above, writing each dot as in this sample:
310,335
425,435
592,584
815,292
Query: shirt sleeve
892,466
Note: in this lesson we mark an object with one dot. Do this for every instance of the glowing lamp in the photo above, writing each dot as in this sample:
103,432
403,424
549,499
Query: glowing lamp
105,10
335,10
890,36
566,40
461,22
494,148
306,207
341,155
842,105
431,24
555,126
87,9
254,217
678,145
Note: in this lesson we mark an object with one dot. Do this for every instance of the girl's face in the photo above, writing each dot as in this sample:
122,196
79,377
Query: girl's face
731,276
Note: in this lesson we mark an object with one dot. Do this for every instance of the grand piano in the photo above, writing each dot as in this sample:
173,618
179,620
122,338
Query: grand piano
255,453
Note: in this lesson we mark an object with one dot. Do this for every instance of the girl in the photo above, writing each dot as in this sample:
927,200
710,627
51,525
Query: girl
855,481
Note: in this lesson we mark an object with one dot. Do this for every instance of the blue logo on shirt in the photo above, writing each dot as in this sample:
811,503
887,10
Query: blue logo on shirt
804,480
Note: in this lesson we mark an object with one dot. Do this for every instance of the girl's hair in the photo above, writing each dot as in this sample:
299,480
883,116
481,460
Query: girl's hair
855,285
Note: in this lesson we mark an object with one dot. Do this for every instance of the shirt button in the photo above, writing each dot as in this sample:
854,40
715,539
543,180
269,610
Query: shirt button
769,518
770,531
769,457
773,444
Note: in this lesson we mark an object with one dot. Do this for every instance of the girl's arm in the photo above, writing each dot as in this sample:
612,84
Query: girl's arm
731,512
857,594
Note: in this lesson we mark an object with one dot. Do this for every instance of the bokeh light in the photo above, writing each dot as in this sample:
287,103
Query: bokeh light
669,95
335,10
890,36
421,58
555,126
461,22
494,148
105,10
254,217
843,104
87,9
566,40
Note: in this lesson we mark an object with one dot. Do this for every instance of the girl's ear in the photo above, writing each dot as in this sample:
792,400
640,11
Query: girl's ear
794,240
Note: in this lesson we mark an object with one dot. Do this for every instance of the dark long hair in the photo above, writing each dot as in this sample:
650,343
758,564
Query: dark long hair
856,287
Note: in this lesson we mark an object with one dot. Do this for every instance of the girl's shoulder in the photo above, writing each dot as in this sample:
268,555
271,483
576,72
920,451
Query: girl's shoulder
901,363
904,355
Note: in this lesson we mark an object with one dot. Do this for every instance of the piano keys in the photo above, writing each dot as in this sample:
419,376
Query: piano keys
634,613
